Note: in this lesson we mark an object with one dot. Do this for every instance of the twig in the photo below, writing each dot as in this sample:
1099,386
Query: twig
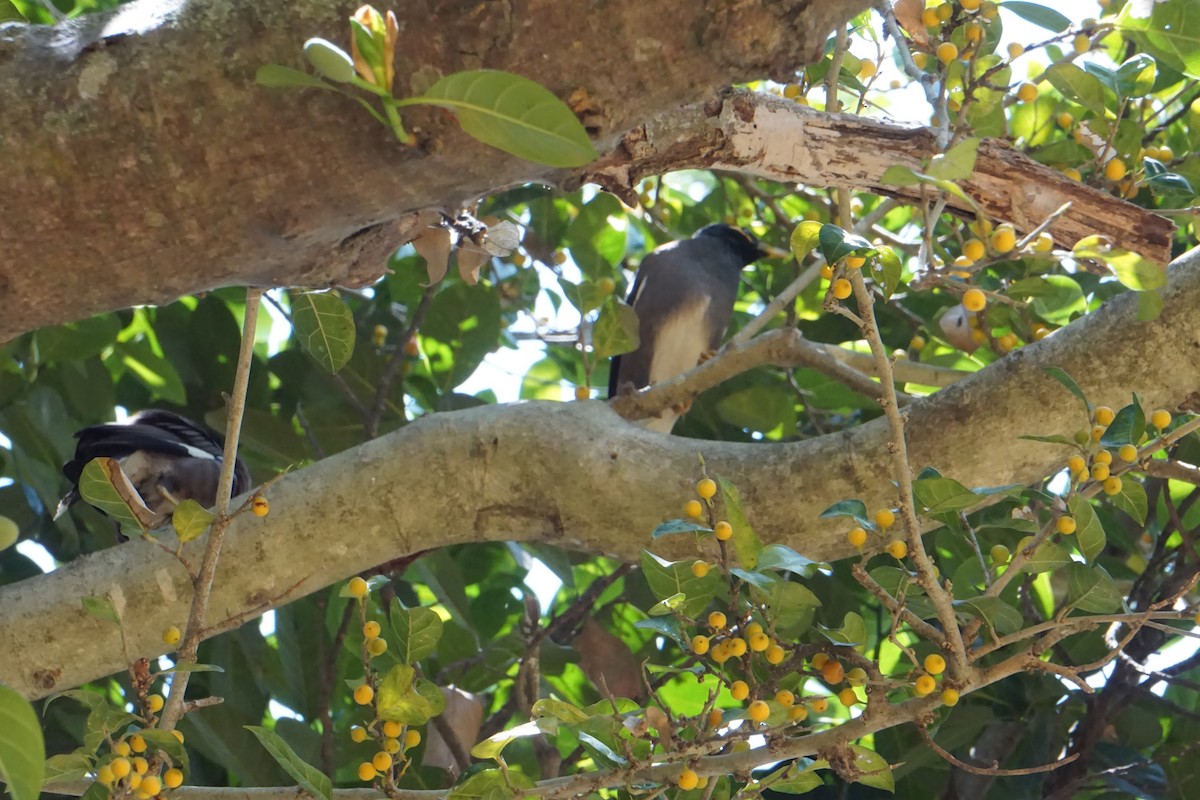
375,416
995,771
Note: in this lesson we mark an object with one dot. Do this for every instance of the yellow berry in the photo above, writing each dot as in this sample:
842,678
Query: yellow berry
122,748
1128,453
737,647
173,778
371,629
989,10
723,531
137,744
363,695
412,738
950,697
1161,419
379,335
412,348
866,70
358,587
366,771
818,705
260,506
944,12
1115,169
929,18
974,300
1064,119
753,628
1082,43
1098,432
715,717
1065,525
739,690
391,746
885,518
935,664
970,5
1103,415
833,672
377,647
1165,153
582,393
974,249
847,697
1040,332
1100,472
775,655
924,685
359,734
687,780
842,289
382,761
1000,554
897,549
1112,485
154,703
700,644
171,636
606,285
1015,50
134,781
693,508
946,52
785,698
178,735
798,713
716,620
720,653
140,765
819,660
856,676
857,537
120,767
827,272
855,262
1027,93
759,711
920,60
759,642
706,488
151,785
917,343
699,568
1004,239
974,33
791,91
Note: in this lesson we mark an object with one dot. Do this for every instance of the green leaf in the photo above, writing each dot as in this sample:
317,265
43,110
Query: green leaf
1134,271
559,709
309,777
836,243
1059,374
899,175
669,605
1132,500
1150,305
746,543
1092,590
1055,298
679,526
1078,86
1047,557
670,627
9,532
792,605
957,163
852,633
96,487
855,509
939,495
1056,438
1127,426
404,698
22,751
277,76
1135,77
418,631
804,238
778,556
513,114
166,741
330,60
190,520
585,296
491,784
874,769
492,746
670,578
1039,15
1088,529
1171,33
799,777
324,327
616,329
101,608
994,612
888,271
65,768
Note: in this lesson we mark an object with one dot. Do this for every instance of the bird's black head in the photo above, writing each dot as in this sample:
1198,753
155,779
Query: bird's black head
745,246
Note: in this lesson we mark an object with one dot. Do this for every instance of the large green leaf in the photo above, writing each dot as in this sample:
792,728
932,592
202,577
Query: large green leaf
22,751
324,327
513,114
308,776
417,631
616,329
667,579
96,486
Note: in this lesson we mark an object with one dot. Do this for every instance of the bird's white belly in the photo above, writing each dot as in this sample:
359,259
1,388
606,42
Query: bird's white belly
680,342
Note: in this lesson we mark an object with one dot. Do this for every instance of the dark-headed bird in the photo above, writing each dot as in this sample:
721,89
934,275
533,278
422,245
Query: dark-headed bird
683,295
167,458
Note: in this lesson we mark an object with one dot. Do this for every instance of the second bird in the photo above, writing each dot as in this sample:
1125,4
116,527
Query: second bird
683,295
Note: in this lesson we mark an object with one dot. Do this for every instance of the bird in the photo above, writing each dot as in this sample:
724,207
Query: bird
683,295
168,458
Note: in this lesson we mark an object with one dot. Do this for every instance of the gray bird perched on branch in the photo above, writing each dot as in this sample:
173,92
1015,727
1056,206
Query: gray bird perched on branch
683,295
167,458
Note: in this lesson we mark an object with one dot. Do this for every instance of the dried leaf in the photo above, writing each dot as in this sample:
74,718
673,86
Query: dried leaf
433,245
607,661
469,262
908,14
464,715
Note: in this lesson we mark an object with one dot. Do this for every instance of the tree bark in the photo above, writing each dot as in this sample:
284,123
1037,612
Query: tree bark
143,163
576,475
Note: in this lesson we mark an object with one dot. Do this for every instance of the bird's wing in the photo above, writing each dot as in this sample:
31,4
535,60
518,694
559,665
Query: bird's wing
614,364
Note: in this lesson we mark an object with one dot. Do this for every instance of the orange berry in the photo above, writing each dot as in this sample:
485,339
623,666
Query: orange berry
154,703
366,771
582,393
819,705
785,698
173,778
819,660
758,711
775,655
382,761
739,690
934,664
833,672
847,697
946,52
1100,472
798,713
1115,169
359,734
363,695
924,685
371,629
1004,238
857,537
260,506
687,780
358,587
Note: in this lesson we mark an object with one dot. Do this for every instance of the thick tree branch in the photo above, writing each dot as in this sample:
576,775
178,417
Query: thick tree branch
577,475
